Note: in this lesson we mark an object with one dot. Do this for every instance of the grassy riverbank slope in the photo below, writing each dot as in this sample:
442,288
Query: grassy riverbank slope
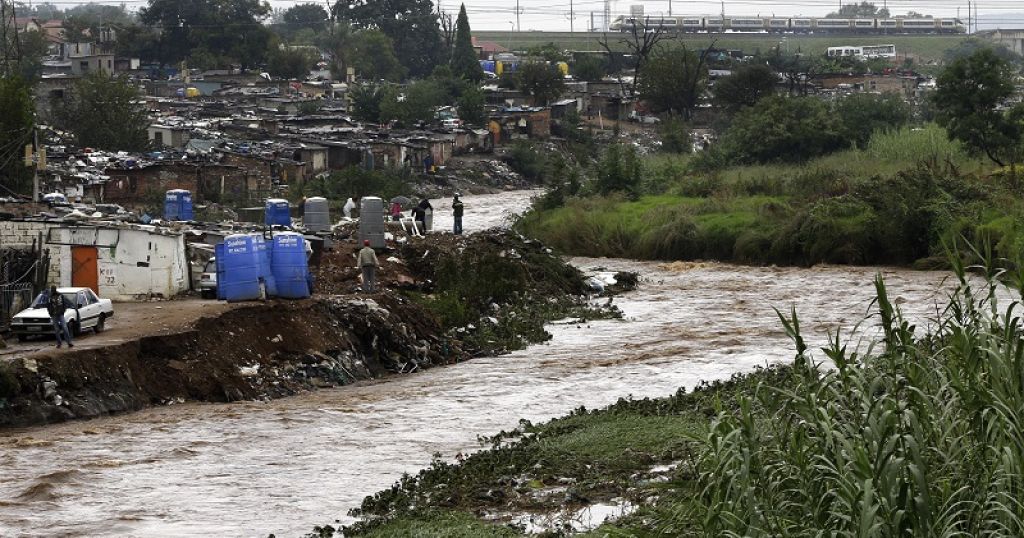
918,435
895,202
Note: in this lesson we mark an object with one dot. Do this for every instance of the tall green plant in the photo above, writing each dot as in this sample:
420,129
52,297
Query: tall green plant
919,435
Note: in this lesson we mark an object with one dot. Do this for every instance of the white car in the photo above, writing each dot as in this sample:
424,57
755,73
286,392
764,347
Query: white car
208,280
84,311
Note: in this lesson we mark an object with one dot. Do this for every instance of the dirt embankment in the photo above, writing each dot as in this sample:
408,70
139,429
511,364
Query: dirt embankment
252,352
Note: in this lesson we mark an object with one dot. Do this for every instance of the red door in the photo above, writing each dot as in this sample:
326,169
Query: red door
85,268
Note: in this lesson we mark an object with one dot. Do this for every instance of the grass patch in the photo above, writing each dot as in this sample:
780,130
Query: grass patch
441,525
898,201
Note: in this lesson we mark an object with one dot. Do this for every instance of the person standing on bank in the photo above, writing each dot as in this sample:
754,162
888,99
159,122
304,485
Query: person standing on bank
369,264
56,306
457,213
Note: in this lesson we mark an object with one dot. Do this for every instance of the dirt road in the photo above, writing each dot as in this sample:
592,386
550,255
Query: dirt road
130,321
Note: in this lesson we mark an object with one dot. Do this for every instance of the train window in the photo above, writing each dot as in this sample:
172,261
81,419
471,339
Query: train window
691,22
778,23
887,23
801,22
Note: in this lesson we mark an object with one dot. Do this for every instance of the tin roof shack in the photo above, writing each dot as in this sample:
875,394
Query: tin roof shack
610,106
282,169
169,136
121,263
208,182
904,85
512,123
314,156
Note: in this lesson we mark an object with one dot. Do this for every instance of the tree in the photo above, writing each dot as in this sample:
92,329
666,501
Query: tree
311,16
412,26
640,43
971,91
414,104
541,81
862,114
619,171
797,69
863,10
590,67
746,86
227,30
971,45
549,52
17,121
673,81
104,112
374,57
290,63
781,129
471,106
464,61
366,102
34,48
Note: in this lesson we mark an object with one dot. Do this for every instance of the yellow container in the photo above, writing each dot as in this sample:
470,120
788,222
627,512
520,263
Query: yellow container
192,92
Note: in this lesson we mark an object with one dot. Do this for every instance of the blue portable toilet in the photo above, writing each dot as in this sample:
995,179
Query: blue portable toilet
266,273
278,213
239,275
289,265
178,205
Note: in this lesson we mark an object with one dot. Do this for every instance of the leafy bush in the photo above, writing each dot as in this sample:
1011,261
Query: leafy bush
863,114
782,129
528,161
355,182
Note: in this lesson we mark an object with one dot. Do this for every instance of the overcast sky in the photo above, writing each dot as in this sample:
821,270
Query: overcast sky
553,15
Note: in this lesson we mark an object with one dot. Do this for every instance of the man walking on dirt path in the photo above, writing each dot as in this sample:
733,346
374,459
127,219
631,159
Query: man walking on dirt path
457,213
56,307
369,264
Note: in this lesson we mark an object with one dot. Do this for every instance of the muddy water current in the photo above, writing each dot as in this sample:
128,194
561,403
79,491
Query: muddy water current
253,468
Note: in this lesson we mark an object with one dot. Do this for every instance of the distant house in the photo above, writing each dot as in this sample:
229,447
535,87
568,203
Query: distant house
87,58
170,136
486,50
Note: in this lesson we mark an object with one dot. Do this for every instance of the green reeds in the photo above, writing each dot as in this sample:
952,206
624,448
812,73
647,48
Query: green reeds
920,435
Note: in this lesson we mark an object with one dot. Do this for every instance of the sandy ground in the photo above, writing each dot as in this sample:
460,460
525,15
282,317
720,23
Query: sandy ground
131,320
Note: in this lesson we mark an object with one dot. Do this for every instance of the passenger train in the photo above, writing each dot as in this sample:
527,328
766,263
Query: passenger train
805,25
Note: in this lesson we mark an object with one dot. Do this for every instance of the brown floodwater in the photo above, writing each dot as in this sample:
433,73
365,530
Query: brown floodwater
254,468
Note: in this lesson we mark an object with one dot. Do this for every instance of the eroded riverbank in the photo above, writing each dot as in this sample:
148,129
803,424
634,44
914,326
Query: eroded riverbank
251,468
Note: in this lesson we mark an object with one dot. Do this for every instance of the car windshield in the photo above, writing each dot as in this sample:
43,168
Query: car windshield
211,267
43,298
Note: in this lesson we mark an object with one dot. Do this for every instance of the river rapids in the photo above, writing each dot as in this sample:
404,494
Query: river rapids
283,466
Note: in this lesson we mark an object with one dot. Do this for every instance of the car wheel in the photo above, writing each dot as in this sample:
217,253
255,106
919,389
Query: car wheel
101,324
22,338
75,328
204,293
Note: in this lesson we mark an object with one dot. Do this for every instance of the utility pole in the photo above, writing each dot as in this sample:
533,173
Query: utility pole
518,27
572,16
669,8
35,165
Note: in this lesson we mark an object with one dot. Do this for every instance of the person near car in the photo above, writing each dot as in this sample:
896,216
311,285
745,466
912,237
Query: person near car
368,263
56,305
457,209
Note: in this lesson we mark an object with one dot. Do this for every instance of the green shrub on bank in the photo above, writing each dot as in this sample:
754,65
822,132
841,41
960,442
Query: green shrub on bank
921,436
894,202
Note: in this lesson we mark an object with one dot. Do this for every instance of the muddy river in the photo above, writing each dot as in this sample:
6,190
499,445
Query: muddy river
253,468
